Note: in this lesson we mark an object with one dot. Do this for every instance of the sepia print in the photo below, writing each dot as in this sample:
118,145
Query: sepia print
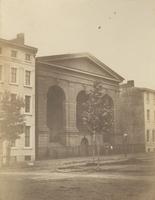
77,100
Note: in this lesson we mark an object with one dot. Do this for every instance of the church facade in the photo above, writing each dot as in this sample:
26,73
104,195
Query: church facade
62,82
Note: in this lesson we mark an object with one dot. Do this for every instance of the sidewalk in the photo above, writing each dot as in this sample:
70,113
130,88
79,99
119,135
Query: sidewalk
75,161
54,164
84,160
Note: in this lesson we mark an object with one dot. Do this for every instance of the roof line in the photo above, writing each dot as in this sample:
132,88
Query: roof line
108,69
19,45
75,70
63,56
78,55
145,89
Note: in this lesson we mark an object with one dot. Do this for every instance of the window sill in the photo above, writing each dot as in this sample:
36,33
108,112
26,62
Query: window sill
28,61
16,84
27,148
28,86
28,114
19,148
14,148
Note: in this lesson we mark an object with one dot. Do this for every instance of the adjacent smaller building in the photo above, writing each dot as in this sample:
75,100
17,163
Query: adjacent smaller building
136,118
17,75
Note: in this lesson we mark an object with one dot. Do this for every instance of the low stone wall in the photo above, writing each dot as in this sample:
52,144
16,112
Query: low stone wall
129,148
69,151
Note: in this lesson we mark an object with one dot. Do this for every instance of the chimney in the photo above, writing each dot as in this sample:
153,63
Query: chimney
130,83
127,85
20,38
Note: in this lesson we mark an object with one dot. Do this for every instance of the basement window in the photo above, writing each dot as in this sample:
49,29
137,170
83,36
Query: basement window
27,158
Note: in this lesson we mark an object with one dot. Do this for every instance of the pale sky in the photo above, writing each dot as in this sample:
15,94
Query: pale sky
125,42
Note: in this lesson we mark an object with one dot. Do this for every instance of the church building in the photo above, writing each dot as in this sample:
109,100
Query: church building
62,82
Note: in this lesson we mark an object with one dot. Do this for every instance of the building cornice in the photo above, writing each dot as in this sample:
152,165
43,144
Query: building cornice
20,46
78,71
145,89
81,55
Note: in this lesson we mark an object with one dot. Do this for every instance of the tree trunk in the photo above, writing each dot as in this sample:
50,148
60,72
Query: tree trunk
6,153
98,151
93,147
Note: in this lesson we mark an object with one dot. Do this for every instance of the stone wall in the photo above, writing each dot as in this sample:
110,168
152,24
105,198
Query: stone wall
71,83
131,120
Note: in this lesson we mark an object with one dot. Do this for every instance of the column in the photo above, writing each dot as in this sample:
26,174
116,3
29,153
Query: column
71,110
71,129
42,129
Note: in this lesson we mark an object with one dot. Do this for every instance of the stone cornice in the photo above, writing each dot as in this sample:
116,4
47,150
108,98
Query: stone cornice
9,60
52,75
78,71
81,55
19,46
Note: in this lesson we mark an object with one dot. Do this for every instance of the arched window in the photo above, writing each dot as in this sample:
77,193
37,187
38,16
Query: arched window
55,112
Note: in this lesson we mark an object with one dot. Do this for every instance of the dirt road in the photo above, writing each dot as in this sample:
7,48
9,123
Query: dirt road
75,186
115,181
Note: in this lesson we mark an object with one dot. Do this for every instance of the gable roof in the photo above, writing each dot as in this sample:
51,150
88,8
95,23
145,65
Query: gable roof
71,61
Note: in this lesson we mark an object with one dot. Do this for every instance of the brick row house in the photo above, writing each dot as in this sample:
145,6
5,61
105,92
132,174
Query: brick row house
137,118
17,75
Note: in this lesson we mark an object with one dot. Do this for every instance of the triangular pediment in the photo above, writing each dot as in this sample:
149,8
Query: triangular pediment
85,63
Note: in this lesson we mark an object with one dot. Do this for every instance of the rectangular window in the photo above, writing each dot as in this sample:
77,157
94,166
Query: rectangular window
27,77
148,114
13,75
13,53
1,96
27,57
13,97
27,136
1,72
27,103
147,135
0,127
147,97
154,99
27,158
13,143
153,135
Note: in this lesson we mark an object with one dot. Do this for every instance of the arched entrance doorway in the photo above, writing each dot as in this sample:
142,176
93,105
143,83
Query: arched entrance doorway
56,113
84,147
